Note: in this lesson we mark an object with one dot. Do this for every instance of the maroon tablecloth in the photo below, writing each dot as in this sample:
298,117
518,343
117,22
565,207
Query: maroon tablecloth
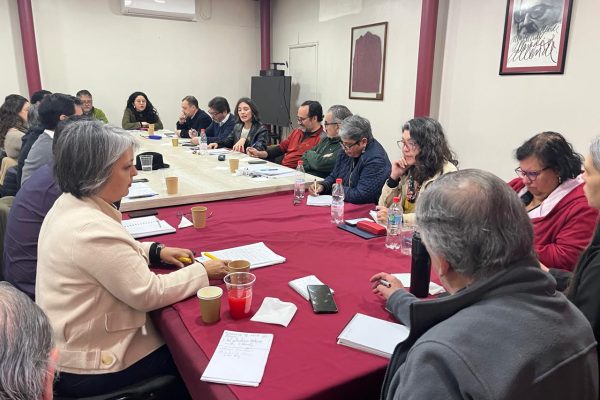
305,361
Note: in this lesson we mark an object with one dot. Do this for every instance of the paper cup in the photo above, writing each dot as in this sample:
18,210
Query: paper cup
172,183
199,216
175,141
234,163
150,129
210,303
239,266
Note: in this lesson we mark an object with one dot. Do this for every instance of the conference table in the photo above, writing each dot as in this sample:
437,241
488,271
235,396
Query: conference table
305,361
201,177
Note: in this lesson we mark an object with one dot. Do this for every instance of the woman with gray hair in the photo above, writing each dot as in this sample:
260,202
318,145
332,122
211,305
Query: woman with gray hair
583,285
363,165
93,280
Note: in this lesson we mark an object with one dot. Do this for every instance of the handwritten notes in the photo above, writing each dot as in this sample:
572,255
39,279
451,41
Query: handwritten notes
240,359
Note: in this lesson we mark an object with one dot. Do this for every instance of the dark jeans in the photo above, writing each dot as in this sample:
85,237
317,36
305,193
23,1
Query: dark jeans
156,363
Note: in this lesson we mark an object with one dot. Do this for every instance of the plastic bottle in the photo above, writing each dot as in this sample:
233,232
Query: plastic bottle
420,268
299,186
203,142
393,238
337,202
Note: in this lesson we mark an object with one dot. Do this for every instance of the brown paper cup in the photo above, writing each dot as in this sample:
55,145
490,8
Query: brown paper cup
234,163
199,217
150,129
175,141
239,266
210,303
172,184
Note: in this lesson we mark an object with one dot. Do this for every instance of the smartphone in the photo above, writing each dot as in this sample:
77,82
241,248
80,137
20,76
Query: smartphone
257,162
321,299
142,213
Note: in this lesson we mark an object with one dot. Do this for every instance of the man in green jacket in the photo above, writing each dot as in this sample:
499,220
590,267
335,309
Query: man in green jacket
87,105
320,160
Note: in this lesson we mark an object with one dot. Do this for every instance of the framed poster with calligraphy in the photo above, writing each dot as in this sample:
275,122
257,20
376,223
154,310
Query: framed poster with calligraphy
535,36
367,61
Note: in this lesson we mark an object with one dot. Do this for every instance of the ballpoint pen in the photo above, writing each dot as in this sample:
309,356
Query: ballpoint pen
185,260
207,254
141,196
385,283
315,185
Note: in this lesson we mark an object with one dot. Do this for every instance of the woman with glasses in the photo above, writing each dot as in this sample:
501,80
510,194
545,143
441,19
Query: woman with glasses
551,188
247,132
362,165
425,157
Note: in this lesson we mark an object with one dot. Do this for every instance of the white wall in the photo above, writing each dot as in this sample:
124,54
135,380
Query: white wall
12,66
89,44
486,115
295,22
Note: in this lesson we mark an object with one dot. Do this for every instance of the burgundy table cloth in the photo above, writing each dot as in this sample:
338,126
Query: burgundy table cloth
304,361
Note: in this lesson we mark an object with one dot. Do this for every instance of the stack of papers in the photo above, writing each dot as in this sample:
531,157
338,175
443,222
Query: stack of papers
434,288
258,254
300,285
140,190
215,152
323,200
240,359
373,335
147,226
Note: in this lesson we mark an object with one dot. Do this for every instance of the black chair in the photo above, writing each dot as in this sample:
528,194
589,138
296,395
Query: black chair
157,388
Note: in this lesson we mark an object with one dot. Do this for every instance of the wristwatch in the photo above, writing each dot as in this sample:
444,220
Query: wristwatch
154,253
159,248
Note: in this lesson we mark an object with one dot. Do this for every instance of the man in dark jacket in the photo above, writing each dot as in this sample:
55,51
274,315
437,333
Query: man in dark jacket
192,118
223,120
504,332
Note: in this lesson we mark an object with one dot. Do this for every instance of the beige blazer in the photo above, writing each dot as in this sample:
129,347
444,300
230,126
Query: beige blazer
388,193
94,284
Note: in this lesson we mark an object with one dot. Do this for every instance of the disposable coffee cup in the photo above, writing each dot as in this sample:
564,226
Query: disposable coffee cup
239,266
150,129
175,141
199,216
172,183
210,303
146,161
234,163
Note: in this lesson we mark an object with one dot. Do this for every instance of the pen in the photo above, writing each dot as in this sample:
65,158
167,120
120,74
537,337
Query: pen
315,185
385,283
185,260
141,196
269,169
207,254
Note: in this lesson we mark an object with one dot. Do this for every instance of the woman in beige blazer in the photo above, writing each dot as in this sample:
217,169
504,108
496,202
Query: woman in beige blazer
93,280
425,156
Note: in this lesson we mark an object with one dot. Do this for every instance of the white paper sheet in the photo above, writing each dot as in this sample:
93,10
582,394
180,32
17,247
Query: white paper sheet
323,200
434,288
258,254
240,359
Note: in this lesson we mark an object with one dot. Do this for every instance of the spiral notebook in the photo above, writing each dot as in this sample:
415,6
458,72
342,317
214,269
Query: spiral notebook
147,226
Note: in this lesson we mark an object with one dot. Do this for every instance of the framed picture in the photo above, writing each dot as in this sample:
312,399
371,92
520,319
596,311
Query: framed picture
535,36
367,61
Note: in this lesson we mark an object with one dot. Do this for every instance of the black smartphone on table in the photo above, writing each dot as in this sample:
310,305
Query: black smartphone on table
142,213
321,299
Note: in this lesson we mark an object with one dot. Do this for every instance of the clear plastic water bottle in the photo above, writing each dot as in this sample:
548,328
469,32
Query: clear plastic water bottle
203,142
299,186
393,238
337,202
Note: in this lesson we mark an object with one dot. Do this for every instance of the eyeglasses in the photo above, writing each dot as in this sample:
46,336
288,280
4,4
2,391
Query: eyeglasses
330,123
213,113
411,144
301,119
349,146
531,175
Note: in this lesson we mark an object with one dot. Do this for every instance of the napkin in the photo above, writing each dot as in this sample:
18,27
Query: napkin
275,311
434,288
184,223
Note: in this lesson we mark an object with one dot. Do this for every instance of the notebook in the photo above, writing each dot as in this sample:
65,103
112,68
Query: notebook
240,359
372,335
323,200
258,254
434,288
147,226
299,285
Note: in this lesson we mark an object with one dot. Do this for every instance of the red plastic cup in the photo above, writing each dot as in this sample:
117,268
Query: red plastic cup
239,293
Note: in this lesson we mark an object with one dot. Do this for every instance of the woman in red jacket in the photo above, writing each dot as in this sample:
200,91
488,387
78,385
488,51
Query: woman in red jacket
551,188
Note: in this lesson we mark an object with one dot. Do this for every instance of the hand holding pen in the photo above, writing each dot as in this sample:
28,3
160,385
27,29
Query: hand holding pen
316,188
384,284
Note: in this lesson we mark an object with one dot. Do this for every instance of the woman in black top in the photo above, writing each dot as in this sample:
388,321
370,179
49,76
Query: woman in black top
139,113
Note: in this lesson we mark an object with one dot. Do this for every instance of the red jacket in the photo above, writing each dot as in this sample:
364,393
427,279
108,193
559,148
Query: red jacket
561,236
293,147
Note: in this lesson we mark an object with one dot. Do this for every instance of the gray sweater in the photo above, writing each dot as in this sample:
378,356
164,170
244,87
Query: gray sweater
511,336
39,155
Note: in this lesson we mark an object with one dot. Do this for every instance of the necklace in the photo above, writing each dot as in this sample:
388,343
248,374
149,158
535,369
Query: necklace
412,191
